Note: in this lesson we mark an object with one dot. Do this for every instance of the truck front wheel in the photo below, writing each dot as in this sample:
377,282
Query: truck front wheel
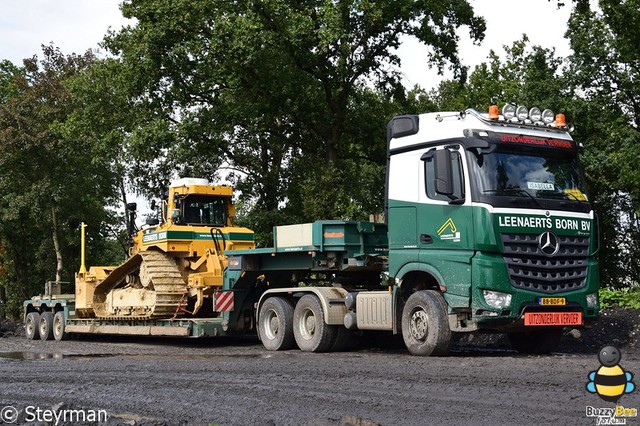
312,334
275,326
46,326
32,325
425,327
536,341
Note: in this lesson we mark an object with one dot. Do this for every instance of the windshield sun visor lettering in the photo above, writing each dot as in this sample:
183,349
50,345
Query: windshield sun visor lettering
530,140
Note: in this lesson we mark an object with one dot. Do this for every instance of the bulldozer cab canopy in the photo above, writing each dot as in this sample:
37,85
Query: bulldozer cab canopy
204,210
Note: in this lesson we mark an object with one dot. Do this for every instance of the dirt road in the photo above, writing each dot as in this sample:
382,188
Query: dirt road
157,382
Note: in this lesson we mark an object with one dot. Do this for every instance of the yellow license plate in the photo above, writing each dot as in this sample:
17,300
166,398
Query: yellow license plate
538,319
552,301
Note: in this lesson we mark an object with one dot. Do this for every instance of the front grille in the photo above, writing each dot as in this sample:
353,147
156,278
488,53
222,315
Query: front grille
530,269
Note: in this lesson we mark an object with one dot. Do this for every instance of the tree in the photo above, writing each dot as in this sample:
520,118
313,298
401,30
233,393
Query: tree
48,180
269,89
604,70
529,75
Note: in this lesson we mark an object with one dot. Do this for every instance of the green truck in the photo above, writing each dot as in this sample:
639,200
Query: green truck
488,228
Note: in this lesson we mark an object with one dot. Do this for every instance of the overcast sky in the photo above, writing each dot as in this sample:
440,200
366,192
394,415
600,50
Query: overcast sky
78,25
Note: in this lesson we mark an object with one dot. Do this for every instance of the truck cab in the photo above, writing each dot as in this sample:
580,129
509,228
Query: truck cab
491,211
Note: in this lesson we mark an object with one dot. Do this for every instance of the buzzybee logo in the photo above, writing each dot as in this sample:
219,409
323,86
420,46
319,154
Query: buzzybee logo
610,382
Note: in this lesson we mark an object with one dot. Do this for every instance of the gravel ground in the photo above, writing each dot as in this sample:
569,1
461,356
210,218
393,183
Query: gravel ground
236,382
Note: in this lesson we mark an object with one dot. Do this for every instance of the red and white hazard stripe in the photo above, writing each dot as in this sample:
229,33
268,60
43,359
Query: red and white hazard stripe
224,301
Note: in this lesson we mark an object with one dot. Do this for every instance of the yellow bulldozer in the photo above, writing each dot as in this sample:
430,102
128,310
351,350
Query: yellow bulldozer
176,261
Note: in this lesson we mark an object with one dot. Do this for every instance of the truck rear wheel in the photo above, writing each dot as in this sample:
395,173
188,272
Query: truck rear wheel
46,326
58,326
275,326
32,326
425,327
312,334
536,341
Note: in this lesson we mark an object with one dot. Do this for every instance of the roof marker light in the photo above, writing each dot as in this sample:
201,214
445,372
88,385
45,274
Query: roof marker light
560,120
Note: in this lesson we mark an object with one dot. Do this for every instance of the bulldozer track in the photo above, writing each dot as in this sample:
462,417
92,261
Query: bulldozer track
156,272
167,281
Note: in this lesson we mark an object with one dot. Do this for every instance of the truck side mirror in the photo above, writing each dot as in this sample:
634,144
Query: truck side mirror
443,172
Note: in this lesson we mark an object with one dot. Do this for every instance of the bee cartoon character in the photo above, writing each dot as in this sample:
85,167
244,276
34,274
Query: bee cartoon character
610,381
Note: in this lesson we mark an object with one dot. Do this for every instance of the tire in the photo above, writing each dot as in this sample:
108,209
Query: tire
32,326
536,341
275,324
46,326
425,326
311,333
58,326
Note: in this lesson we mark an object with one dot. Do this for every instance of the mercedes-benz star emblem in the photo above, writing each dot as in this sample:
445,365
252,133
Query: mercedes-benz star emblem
549,243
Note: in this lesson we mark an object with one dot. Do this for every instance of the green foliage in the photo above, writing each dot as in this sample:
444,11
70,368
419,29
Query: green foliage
49,181
529,75
624,298
604,72
275,97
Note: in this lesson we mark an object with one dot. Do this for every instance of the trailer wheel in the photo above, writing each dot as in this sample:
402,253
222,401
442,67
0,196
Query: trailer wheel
312,334
58,326
425,327
536,341
46,326
32,326
275,326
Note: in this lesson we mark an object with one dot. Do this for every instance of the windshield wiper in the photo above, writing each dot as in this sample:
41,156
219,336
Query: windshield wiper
513,191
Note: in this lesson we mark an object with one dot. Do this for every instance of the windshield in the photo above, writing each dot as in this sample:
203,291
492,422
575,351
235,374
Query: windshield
202,210
537,174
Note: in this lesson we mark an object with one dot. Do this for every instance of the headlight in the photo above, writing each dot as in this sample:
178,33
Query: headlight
592,300
497,300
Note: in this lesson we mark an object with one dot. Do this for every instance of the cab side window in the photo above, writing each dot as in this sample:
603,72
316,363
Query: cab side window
458,180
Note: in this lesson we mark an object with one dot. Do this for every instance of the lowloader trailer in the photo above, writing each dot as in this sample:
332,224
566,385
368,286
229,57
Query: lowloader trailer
488,228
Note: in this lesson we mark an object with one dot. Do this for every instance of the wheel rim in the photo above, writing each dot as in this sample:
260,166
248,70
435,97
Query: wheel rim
419,325
307,324
271,324
31,327
44,330
57,326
